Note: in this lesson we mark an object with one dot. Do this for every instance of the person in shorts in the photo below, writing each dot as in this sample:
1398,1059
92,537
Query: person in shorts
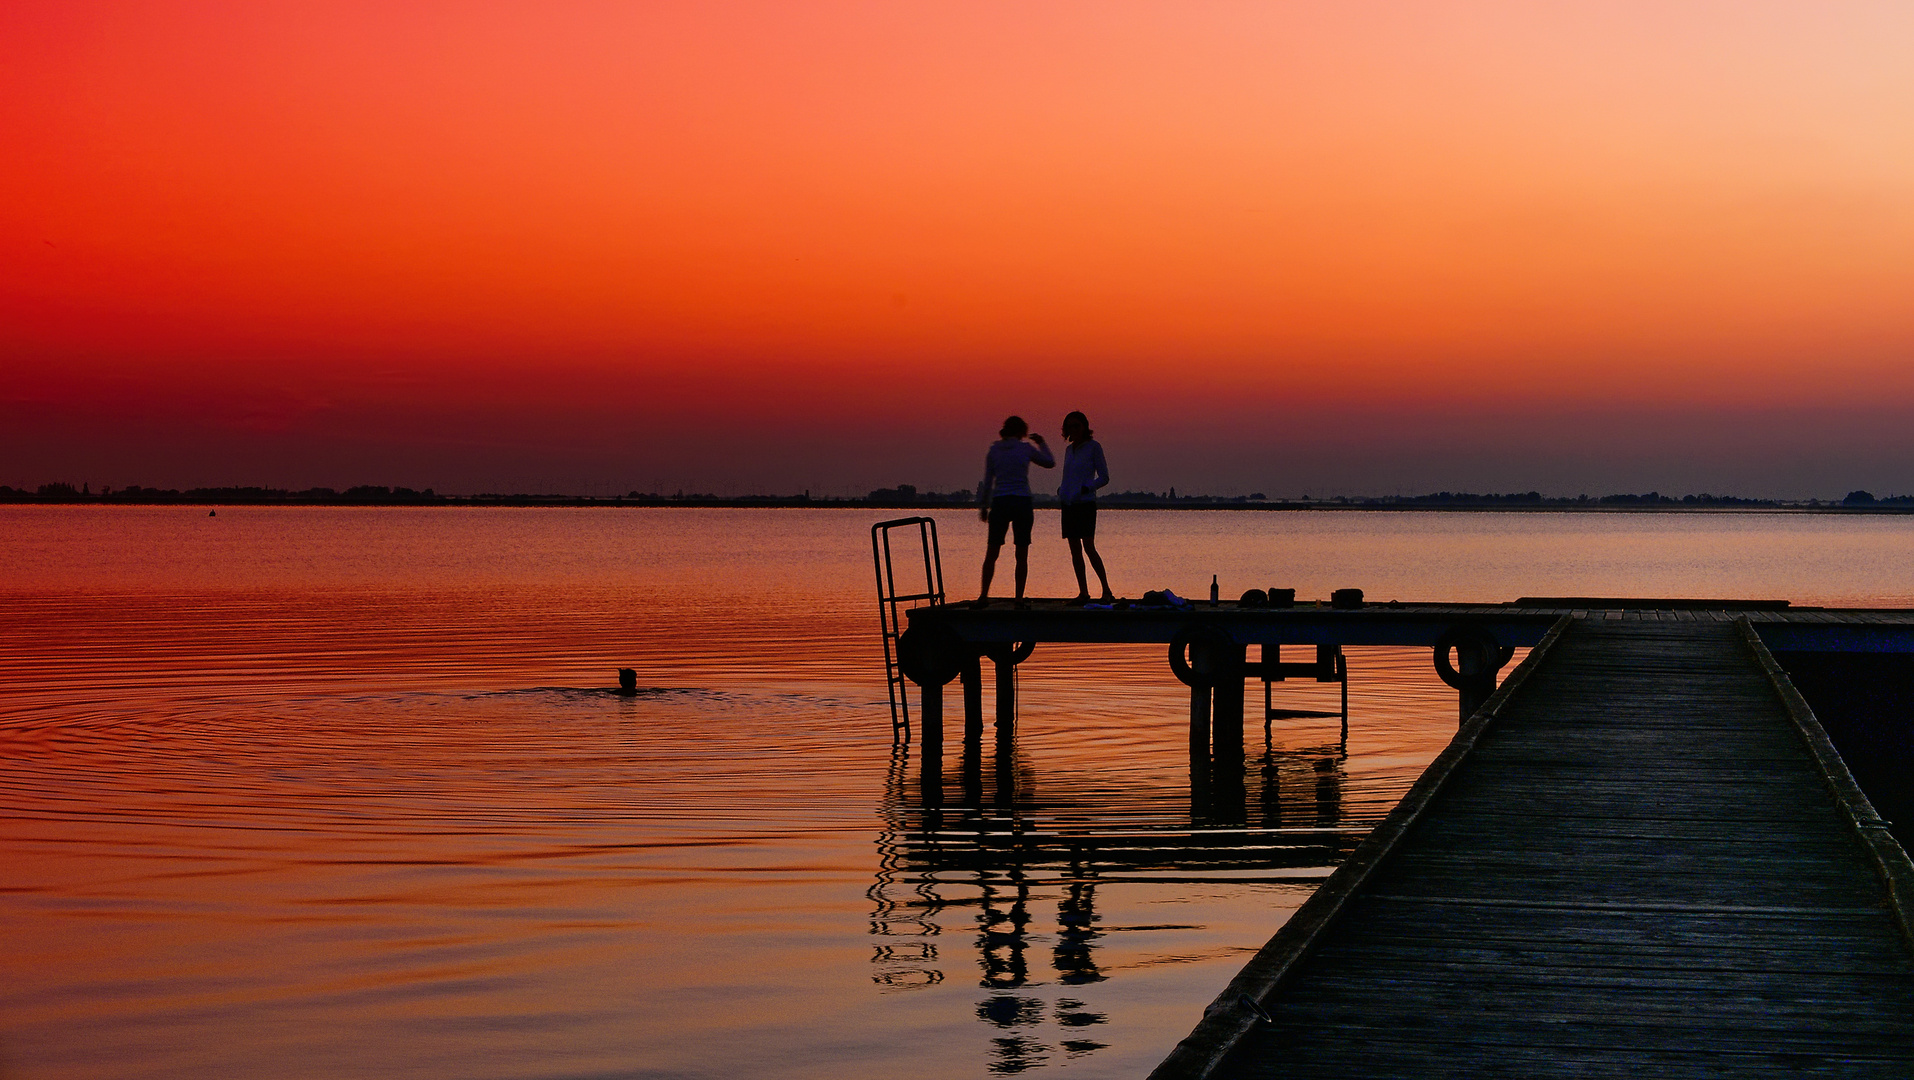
1084,472
1003,499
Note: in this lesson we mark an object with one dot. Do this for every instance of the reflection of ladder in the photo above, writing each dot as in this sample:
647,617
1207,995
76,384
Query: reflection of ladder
891,605
1330,666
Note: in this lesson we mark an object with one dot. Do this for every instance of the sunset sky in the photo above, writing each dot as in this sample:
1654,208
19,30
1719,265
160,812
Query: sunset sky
1332,247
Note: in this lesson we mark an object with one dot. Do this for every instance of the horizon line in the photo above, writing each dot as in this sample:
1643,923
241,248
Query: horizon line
906,496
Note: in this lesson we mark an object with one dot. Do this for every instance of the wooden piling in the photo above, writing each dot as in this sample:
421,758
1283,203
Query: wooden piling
1006,694
973,681
1200,698
930,715
1227,725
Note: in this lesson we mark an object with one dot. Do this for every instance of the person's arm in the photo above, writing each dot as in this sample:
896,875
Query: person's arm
1100,471
1039,453
984,486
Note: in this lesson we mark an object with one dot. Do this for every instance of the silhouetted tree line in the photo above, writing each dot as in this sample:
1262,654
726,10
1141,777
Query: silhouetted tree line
1171,498
363,495
908,496
1651,499
1534,498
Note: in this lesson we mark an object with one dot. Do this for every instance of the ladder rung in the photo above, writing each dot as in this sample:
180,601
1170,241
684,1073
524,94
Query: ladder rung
911,596
1280,714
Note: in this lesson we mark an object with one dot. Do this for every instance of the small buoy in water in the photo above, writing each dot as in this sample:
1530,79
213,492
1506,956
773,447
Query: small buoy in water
627,681
212,513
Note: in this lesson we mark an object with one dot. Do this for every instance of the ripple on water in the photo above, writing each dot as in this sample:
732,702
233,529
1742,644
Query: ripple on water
289,829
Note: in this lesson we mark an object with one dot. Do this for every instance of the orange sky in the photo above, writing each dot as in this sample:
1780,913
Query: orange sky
1301,247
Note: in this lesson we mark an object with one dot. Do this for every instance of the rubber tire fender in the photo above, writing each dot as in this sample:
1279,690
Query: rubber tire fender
1468,635
931,654
1180,646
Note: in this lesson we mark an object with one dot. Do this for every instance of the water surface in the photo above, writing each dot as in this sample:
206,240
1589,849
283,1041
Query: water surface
336,791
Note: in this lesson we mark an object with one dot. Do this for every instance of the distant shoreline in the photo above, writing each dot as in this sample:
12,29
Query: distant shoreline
406,498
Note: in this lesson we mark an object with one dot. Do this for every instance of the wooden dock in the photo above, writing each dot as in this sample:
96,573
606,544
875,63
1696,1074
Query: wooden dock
1641,857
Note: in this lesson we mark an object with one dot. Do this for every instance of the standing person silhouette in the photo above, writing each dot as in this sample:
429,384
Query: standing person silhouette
1003,498
1084,472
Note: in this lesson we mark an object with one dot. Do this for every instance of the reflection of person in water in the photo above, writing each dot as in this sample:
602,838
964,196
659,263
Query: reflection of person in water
1001,950
1003,498
1076,936
1000,946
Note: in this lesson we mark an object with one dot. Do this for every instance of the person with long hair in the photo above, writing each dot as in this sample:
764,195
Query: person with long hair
1003,499
1084,471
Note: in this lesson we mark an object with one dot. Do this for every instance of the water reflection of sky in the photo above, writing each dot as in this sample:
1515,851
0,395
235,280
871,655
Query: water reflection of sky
999,870
311,792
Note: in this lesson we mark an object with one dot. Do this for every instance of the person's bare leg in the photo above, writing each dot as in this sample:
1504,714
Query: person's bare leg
1096,561
1023,567
1076,563
990,570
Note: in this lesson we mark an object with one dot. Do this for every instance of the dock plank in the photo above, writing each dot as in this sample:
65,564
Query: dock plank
1637,869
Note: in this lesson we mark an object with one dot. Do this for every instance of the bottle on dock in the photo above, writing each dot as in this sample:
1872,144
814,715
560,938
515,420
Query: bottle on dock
1213,590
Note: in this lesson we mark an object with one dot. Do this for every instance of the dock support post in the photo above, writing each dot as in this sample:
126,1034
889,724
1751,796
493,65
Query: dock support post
1006,694
1200,658
1228,736
1478,680
1006,768
930,655
973,680
1199,731
930,716
1473,698
1478,656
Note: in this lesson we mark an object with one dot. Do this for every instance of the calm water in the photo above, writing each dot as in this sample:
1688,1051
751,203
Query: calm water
302,792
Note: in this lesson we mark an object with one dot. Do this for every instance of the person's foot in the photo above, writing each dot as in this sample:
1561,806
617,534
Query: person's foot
1022,604
981,602
1108,597
1079,600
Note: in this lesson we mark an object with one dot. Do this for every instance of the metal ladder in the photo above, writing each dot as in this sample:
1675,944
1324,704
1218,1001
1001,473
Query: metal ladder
1330,666
891,605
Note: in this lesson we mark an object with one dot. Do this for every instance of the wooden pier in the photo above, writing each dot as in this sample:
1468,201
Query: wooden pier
1640,856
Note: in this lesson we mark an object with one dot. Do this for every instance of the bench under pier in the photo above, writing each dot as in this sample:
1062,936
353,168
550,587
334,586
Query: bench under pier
1640,857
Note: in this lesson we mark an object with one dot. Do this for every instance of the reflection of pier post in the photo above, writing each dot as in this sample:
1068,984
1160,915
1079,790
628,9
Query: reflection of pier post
1328,793
1272,793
